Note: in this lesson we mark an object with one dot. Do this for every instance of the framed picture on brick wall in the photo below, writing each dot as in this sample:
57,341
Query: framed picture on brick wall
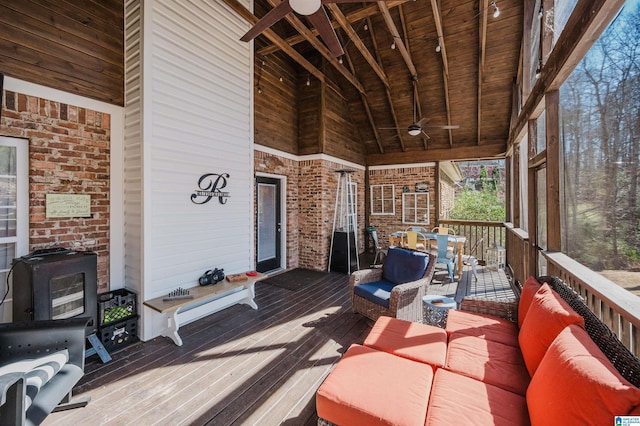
383,199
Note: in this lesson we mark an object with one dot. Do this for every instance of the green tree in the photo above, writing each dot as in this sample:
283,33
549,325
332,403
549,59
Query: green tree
478,205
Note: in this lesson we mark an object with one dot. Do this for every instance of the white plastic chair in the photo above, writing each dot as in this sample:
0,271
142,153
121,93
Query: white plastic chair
470,259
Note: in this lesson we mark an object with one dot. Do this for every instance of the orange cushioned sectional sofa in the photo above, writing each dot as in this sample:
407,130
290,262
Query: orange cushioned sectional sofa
556,364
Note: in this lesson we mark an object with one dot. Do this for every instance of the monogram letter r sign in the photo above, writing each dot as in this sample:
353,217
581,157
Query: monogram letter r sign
211,185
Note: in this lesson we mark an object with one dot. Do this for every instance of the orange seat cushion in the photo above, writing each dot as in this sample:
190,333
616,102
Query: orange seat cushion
419,342
461,400
548,315
370,387
490,362
480,325
529,289
575,384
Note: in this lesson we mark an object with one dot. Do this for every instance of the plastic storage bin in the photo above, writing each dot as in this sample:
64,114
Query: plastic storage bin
119,334
116,305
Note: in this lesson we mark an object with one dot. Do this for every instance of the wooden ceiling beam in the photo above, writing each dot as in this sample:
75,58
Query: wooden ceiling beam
392,110
356,16
367,108
486,151
400,44
276,39
320,47
585,24
357,42
482,16
445,63
414,77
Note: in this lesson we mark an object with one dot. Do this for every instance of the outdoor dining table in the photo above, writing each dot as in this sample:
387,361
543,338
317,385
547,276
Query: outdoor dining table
396,238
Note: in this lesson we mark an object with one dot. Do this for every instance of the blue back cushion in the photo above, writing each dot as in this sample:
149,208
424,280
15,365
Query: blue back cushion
403,266
378,292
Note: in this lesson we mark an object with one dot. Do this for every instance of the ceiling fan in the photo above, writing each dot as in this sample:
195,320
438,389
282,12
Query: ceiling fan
419,126
313,10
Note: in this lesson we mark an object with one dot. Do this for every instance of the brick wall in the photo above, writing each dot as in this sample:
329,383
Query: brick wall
318,187
447,196
311,196
400,177
69,153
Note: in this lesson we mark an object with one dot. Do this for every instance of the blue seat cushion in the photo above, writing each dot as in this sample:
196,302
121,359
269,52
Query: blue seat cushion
403,266
377,292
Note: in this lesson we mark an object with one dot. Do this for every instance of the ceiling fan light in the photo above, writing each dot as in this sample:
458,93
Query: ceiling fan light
414,130
305,7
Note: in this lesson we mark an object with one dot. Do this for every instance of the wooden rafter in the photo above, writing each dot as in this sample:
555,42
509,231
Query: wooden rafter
489,150
387,90
365,104
320,47
271,35
587,21
356,16
445,63
414,77
400,45
357,42
482,16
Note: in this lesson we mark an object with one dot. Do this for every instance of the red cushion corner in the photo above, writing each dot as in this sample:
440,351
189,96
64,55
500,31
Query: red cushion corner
548,315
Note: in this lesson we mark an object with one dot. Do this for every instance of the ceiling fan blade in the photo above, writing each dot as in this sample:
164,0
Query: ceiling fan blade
426,135
348,1
273,16
443,127
321,21
423,122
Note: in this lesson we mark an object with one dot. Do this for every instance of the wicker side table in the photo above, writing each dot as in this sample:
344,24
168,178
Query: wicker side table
436,309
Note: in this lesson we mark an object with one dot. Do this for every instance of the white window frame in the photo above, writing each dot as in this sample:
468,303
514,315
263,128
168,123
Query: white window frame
21,239
418,208
383,192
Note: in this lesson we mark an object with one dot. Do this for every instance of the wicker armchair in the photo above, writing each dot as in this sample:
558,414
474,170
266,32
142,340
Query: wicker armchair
405,301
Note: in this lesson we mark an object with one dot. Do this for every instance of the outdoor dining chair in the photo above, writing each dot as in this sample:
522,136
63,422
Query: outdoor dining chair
380,251
447,253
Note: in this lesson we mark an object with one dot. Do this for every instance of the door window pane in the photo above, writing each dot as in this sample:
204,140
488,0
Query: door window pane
267,210
8,191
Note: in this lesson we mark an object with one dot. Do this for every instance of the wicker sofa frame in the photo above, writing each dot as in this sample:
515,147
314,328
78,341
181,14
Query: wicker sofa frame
627,364
405,301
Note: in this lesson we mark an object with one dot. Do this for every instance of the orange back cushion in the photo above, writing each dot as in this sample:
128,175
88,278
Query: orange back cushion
576,384
548,314
529,289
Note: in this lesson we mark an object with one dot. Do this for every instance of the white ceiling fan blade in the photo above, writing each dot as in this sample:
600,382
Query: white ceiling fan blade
426,135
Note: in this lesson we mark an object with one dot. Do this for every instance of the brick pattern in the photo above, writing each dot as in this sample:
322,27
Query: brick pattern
401,177
310,199
318,186
447,197
69,153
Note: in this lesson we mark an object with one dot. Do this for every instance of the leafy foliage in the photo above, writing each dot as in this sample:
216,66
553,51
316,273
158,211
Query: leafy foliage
479,205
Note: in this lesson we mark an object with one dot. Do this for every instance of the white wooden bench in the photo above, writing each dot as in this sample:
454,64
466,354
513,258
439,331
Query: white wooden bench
206,301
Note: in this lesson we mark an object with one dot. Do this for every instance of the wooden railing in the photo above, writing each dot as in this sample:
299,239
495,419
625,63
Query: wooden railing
490,232
615,306
518,253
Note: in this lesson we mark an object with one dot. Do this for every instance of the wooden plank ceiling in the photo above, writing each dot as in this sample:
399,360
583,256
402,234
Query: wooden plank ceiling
466,82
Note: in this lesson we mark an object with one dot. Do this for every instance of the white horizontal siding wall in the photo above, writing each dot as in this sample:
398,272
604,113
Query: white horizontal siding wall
133,230
196,119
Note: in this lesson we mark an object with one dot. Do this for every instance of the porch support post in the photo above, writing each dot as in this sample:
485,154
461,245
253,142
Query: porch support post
554,165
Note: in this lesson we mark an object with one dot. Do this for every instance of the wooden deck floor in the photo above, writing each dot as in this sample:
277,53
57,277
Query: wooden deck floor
238,366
